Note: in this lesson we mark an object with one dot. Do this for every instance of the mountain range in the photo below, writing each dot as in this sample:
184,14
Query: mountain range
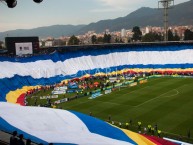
181,14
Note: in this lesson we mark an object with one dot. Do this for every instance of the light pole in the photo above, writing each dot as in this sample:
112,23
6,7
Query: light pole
165,4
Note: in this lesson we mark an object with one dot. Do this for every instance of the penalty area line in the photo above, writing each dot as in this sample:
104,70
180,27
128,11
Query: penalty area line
114,103
177,92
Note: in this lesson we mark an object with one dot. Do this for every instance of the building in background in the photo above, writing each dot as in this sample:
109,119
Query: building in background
123,33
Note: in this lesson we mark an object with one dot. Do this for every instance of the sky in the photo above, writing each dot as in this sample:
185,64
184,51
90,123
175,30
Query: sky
28,14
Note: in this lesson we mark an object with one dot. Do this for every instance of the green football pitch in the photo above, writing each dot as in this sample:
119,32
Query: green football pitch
167,102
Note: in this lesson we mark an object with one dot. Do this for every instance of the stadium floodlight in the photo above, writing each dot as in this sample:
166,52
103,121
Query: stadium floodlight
9,3
13,3
38,1
165,4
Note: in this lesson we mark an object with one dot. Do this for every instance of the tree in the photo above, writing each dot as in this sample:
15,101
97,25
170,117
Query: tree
170,36
1,43
43,44
137,34
117,40
151,37
107,38
100,39
73,40
94,39
188,35
176,38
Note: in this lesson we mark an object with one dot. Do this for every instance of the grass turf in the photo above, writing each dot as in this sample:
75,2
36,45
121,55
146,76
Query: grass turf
167,102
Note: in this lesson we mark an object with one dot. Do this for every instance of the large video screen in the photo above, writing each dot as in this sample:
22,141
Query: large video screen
23,48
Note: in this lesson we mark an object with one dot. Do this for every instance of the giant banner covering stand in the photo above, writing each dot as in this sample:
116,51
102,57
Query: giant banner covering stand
46,125
56,67
62,127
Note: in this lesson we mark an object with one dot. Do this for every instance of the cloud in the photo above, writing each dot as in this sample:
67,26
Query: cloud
122,5
103,10
116,5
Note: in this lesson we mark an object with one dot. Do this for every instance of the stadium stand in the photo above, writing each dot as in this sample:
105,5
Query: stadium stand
19,75
45,125
53,68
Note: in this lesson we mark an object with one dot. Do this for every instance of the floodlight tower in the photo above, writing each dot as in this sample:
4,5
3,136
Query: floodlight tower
165,4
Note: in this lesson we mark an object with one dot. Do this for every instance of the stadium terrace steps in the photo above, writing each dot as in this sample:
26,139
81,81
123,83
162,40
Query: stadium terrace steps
4,138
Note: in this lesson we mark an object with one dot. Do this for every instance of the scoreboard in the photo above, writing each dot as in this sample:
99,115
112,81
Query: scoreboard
22,45
23,48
